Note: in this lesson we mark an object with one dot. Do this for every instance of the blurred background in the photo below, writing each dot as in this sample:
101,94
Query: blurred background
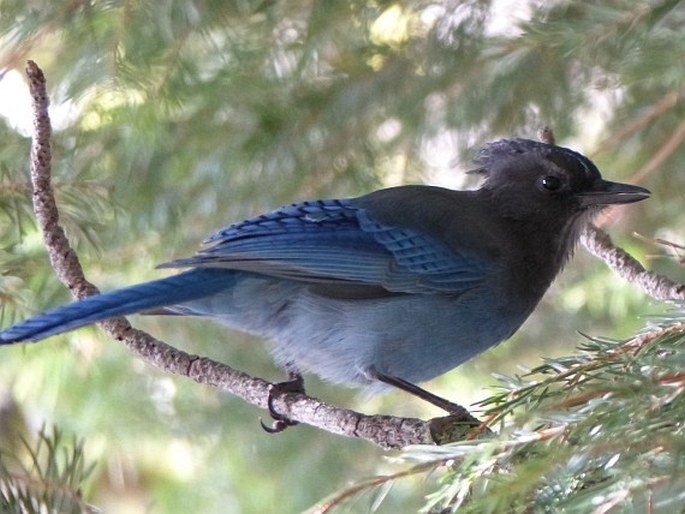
174,118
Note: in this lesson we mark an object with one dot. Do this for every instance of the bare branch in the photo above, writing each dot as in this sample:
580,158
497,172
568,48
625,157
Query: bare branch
62,257
657,286
385,431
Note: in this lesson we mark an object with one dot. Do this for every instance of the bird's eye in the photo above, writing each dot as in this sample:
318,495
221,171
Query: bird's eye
550,183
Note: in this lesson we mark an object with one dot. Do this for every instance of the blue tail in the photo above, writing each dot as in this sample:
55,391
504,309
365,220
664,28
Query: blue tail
184,287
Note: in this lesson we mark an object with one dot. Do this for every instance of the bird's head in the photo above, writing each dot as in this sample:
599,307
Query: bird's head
530,180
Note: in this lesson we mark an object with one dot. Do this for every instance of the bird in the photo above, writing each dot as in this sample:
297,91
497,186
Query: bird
395,287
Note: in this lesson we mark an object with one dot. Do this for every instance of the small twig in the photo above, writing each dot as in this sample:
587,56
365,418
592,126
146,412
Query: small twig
330,504
546,135
661,107
385,431
657,286
672,144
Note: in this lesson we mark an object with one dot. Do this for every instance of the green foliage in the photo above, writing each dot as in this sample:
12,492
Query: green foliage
48,479
184,116
597,431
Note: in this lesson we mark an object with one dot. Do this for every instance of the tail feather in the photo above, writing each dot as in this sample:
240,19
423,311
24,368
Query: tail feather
184,287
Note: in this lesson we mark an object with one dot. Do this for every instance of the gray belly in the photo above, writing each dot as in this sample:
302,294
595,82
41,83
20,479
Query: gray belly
414,337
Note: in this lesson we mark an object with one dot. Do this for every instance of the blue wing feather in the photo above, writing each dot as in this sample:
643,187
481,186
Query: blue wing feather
338,241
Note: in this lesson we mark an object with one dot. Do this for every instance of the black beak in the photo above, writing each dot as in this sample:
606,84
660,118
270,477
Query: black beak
604,192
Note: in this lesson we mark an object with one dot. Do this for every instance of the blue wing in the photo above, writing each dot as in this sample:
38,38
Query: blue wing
338,241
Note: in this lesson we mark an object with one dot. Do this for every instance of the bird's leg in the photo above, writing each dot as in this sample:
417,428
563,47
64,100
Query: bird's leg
446,405
294,384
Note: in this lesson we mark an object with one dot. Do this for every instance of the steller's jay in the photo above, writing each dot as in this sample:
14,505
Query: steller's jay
397,286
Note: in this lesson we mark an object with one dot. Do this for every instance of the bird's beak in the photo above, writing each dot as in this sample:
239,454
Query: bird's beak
604,192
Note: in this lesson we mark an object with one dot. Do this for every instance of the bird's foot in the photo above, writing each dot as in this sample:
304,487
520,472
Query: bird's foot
457,426
294,384
454,409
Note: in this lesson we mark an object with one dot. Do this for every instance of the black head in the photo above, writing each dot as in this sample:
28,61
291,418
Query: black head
533,180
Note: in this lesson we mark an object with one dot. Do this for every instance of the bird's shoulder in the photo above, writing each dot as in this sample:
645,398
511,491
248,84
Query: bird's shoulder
462,220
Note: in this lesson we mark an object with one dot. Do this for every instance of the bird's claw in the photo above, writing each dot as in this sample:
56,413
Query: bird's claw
294,385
